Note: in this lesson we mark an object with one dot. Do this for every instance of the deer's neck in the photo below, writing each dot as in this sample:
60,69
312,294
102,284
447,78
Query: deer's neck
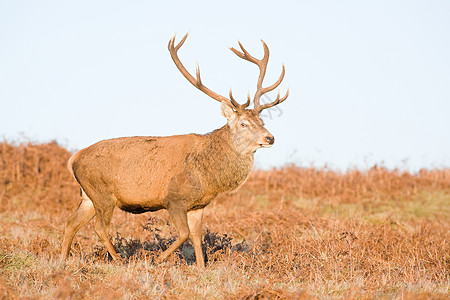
223,166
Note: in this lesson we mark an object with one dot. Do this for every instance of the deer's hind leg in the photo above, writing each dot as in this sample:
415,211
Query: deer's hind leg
78,219
104,212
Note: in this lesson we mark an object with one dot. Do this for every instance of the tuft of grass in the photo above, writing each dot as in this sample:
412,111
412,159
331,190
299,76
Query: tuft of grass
16,261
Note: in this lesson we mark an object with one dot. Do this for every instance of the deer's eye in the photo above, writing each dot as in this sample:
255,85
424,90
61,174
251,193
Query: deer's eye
243,125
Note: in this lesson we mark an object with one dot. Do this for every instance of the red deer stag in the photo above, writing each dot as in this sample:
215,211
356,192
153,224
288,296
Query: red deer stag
181,173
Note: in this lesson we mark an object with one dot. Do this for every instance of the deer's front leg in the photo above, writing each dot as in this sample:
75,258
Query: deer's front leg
195,218
179,218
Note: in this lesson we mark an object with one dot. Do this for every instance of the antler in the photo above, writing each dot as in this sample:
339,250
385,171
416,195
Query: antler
262,64
197,82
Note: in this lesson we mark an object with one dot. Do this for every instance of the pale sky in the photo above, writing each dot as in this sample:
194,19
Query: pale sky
369,80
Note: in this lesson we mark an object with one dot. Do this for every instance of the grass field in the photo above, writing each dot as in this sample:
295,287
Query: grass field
286,233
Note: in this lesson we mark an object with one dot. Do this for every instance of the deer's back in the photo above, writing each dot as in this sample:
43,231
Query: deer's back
149,173
134,171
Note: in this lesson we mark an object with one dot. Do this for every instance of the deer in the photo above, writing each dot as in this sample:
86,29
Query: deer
179,173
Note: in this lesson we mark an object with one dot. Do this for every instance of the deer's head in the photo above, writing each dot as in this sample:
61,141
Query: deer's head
246,126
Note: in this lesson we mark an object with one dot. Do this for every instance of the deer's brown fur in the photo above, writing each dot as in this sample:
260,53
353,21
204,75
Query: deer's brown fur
150,173
181,173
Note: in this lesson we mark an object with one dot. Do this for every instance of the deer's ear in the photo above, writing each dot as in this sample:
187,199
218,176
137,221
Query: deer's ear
227,111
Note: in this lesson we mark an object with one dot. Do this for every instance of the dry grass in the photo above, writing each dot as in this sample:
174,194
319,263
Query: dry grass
287,233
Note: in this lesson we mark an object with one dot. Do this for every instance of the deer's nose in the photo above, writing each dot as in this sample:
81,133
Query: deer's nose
270,139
